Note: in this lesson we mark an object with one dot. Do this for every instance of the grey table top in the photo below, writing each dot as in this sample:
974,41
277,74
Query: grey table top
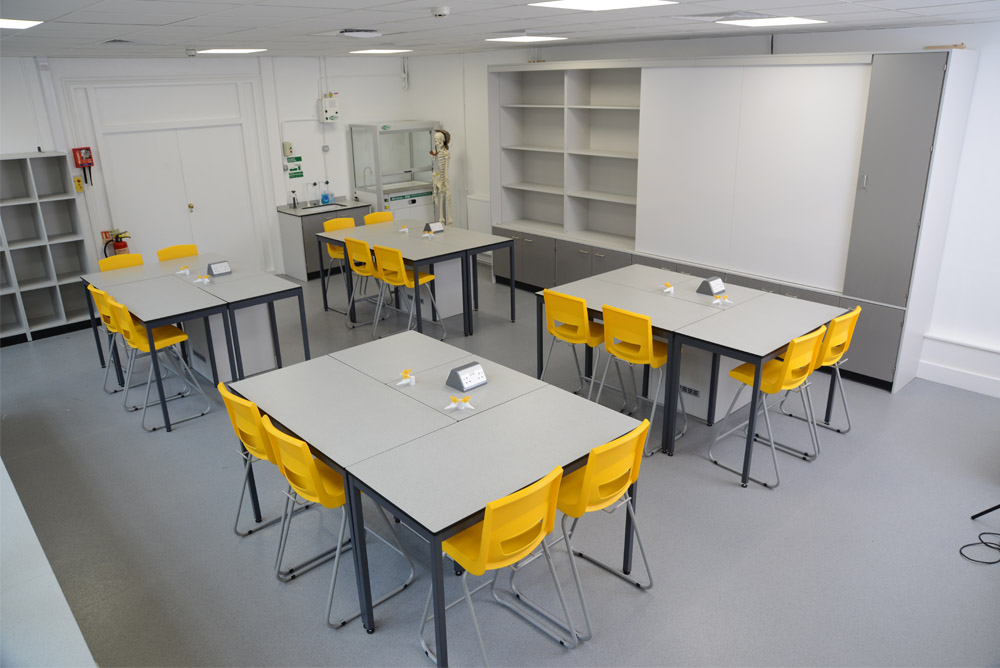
385,359
444,477
764,324
105,279
412,244
162,297
237,287
340,411
667,312
685,286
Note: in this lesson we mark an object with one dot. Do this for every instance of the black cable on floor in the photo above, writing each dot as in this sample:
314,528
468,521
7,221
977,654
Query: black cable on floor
989,544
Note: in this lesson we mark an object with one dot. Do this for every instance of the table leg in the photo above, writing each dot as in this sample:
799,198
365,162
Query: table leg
211,350
360,552
752,425
834,379
236,344
349,286
274,334
588,363
513,282
322,273
466,300
645,383
416,296
229,345
93,326
633,492
302,322
474,268
159,377
437,584
672,380
539,305
713,388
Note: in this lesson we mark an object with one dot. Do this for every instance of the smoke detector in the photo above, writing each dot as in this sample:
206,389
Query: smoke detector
440,12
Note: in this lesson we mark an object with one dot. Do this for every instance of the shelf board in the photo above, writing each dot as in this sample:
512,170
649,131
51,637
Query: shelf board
26,243
604,197
535,187
14,201
540,149
600,153
56,197
603,107
35,284
68,278
605,240
535,226
7,290
77,315
65,238
46,321
11,330
533,106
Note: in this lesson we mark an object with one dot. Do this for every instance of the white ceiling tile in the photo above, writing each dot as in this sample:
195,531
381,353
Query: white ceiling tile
987,6
41,10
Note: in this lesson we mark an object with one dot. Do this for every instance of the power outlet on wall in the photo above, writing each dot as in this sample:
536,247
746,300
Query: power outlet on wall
690,390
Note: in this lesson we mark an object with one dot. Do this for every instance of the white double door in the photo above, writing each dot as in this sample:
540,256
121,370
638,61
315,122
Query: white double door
180,186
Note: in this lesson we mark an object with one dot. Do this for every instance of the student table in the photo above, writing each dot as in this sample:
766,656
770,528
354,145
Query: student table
754,327
419,251
435,469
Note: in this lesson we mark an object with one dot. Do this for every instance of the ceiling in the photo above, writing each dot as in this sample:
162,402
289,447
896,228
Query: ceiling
167,28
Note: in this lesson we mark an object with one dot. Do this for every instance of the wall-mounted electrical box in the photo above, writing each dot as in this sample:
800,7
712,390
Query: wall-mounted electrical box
329,110
286,149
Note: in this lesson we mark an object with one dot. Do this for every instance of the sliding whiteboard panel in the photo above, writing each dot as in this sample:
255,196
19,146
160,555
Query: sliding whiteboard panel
688,131
796,174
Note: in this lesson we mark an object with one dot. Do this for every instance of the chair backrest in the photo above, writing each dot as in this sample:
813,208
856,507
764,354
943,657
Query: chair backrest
800,359
566,316
515,524
628,335
299,467
839,333
123,319
359,255
101,302
610,470
174,252
332,225
247,424
378,217
120,261
390,264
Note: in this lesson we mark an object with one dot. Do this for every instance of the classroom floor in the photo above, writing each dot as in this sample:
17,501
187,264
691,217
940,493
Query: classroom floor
852,561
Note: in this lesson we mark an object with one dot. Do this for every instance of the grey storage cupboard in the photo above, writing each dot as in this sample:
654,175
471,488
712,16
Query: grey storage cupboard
43,247
566,180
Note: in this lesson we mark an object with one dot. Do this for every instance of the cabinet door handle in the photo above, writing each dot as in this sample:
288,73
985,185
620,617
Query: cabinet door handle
527,240
583,251
516,238
598,254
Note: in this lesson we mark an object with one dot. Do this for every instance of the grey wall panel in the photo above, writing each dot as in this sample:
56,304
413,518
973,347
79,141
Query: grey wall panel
899,132
875,345
811,295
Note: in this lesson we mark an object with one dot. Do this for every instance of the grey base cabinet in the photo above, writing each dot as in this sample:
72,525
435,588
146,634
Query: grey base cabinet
298,229
534,257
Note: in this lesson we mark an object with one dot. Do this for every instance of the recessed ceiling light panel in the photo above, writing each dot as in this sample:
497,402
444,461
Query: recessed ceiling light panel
525,38
17,24
771,22
600,5
230,51
384,51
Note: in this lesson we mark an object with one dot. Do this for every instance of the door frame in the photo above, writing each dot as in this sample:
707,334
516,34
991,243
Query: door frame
86,128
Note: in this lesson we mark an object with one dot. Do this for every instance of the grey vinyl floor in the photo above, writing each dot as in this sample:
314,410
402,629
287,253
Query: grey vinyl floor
852,561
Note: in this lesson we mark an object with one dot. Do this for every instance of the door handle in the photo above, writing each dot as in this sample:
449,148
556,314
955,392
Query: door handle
190,206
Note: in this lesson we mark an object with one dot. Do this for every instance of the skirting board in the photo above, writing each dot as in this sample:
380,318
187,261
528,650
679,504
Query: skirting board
959,364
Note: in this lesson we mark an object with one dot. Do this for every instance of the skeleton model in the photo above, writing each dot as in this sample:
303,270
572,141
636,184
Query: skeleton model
442,191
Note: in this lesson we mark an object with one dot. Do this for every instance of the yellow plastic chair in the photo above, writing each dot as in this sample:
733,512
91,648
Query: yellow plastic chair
378,217
393,272
512,527
174,252
254,447
166,339
120,261
312,481
567,320
789,372
602,483
100,298
336,252
836,343
628,337
362,264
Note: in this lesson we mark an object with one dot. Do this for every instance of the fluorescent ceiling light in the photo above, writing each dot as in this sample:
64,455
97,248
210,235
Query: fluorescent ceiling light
17,24
525,38
231,50
601,5
384,51
771,22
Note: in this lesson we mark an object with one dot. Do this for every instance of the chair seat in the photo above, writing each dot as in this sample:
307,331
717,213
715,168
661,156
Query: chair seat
424,278
770,380
571,333
464,548
335,251
163,337
333,483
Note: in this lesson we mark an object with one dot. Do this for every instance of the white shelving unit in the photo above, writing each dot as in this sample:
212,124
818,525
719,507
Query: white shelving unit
43,248
568,145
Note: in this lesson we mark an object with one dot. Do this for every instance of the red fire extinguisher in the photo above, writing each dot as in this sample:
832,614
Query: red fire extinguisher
117,244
